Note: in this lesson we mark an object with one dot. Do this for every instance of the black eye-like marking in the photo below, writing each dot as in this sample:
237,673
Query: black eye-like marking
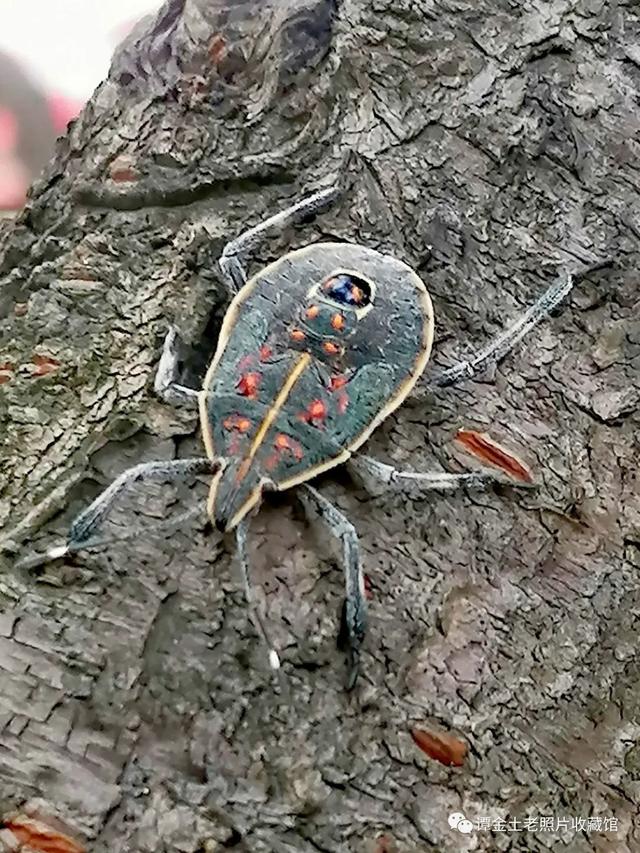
347,289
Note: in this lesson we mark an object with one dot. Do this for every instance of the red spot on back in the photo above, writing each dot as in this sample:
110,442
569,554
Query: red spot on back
285,442
265,352
315,411
343,402
337,382
297,335
312,312
246,362
237,422
330,348
271,461
337,322
248,384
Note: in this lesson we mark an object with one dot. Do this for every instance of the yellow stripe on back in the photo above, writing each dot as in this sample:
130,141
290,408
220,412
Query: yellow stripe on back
273,412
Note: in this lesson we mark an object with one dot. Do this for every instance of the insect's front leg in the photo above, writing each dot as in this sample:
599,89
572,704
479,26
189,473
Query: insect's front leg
235,252
507,340
166,385
84,529
412,481
354,612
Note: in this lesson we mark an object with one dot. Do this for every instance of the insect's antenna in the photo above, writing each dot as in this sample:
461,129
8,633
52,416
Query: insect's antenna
241,543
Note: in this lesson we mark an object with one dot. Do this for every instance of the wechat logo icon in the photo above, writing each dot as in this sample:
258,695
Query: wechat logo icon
458,821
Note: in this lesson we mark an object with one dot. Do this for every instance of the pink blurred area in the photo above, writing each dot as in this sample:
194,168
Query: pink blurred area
41,93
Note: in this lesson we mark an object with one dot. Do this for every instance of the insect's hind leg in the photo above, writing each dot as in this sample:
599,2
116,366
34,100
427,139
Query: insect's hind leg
428,481
354,612
233,254
507,340
241,547
84,529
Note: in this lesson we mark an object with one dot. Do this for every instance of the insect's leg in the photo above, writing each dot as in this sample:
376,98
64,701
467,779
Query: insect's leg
241,544
422,482
165,384
354,612
231,260
85,527
507,340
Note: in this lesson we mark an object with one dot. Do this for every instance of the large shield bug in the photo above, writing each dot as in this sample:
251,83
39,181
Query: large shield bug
314,352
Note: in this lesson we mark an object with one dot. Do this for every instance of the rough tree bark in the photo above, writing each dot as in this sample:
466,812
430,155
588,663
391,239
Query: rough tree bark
495,143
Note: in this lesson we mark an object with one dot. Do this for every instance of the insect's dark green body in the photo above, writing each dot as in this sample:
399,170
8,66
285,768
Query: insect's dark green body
314,352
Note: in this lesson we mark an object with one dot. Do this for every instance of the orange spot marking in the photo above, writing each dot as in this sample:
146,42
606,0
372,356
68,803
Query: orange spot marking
484,447
330,348
38,836
299,368
445,748
284,442
357,294
44,364
271,461
237,422
337,322
313,312
265,352
248,384
343,402
297,335
337,382
317,410
245,362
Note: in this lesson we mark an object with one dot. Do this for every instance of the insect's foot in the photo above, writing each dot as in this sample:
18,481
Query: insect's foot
36,560
353,668
350,644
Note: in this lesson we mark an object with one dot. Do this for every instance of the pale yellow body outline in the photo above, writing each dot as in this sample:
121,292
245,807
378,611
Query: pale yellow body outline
392,405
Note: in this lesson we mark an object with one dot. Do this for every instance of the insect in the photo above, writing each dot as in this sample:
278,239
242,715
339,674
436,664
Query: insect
315,350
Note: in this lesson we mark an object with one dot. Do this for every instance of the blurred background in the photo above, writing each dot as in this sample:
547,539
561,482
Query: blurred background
53,54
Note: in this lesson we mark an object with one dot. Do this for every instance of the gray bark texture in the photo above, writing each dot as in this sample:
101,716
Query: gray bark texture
490,144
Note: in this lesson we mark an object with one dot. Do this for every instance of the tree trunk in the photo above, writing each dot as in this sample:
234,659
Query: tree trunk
491,145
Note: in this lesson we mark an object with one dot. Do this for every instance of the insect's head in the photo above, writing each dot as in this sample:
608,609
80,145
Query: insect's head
348,290
333,308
